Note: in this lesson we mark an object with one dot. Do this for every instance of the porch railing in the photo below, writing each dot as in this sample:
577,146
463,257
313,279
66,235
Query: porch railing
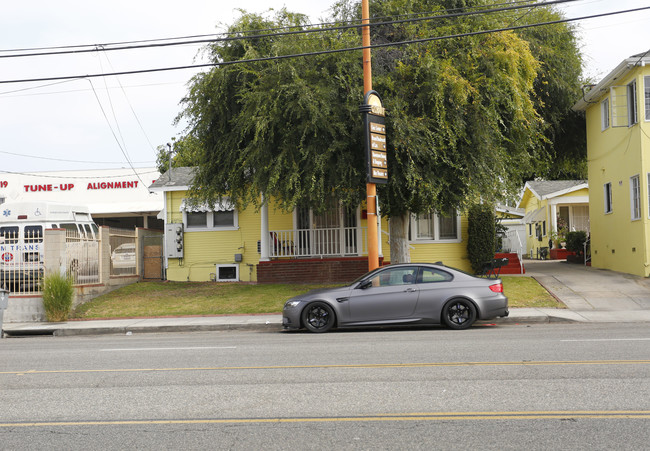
327,242
514,244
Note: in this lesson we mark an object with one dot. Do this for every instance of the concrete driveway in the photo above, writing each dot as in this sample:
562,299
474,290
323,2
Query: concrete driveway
596,293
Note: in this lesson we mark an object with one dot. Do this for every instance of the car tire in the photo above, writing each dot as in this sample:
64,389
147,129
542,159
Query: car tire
459,314
318,317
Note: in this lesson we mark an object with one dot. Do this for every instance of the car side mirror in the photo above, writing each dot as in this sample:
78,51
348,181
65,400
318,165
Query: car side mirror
365,284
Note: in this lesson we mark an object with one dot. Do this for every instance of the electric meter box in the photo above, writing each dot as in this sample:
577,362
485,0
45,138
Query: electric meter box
174,240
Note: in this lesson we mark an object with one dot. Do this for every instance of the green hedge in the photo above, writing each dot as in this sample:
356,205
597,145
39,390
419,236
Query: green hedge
575,241
481,233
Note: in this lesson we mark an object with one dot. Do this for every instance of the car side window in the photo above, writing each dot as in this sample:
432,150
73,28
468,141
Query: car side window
432,275
394,276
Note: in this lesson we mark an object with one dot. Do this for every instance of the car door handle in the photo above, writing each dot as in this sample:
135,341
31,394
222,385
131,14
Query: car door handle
410,290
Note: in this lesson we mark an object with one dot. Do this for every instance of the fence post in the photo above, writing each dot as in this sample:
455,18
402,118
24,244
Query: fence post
54,258
104,255
139,248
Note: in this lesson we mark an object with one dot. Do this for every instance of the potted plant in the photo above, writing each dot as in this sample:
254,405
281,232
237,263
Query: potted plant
561,233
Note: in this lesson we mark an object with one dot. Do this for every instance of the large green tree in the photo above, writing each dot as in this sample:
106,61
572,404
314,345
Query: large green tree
464,122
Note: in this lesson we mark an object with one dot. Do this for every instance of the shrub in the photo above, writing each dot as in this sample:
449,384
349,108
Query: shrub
575,241
481,233
57,296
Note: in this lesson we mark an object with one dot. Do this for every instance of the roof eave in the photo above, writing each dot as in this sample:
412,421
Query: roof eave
619,72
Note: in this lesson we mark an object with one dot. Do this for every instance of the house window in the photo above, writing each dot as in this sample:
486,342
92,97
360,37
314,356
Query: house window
646,87
543,228
607,194
223,219
438,227
222,216
227,273
425,229
530,230
448,226
197,219
635,198
631,104
604,114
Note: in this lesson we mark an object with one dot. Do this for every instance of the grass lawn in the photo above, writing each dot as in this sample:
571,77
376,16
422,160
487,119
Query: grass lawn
150,299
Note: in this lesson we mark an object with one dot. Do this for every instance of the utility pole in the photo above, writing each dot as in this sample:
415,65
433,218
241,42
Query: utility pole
371,188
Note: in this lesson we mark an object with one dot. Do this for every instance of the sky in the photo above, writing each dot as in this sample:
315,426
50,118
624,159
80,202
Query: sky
118,122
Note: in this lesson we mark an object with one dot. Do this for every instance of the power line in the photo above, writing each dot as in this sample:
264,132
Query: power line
322,52
108,47
86,177
69,161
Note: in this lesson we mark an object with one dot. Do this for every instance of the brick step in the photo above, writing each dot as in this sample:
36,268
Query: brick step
513,266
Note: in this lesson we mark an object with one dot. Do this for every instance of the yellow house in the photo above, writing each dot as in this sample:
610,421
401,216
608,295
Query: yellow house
553,208
222,243
618,141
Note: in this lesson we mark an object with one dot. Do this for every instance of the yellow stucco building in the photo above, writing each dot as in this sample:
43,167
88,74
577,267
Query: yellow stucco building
223,243
618,150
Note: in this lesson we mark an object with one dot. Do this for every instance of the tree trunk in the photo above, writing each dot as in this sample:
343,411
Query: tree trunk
399,245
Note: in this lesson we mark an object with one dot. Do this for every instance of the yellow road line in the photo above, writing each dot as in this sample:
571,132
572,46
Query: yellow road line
435,416
350,366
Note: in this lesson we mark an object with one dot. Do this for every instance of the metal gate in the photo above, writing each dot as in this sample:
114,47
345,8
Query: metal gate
152,257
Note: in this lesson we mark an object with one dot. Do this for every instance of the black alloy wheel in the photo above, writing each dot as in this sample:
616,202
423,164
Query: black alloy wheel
459,314
318,317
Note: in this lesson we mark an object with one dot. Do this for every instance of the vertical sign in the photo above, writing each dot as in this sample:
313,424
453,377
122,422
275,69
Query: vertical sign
374,126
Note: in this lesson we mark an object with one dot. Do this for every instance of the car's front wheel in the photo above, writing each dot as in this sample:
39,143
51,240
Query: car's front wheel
459,314
318,317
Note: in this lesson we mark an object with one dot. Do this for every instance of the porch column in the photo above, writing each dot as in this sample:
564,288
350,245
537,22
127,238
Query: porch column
554,217
264,234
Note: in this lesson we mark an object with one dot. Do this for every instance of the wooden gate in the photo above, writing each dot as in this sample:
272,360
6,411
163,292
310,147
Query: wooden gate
152,256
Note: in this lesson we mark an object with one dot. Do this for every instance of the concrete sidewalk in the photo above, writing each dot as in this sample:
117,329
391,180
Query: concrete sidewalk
591,295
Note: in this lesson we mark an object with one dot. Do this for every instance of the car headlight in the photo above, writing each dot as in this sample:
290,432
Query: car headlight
292,303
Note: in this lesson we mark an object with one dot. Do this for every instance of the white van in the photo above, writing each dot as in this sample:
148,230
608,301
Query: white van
21,238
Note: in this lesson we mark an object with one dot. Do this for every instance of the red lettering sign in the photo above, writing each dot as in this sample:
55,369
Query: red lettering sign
112,185
38,188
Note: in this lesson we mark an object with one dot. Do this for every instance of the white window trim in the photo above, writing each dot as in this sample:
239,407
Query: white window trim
635,215
608,198
436,231
233,265
646,97
632,107
648,194
604,114
210,223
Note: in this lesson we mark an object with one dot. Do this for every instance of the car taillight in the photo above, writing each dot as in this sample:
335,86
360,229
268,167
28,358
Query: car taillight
497,288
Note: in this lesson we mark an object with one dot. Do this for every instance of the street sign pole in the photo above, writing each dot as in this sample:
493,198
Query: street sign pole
371,188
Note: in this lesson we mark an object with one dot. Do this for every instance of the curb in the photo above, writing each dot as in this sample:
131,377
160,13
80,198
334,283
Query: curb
75,328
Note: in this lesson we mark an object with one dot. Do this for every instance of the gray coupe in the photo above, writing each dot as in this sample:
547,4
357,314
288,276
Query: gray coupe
407,293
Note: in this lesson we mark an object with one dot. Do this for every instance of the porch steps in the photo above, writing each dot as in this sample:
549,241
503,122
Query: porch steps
513,266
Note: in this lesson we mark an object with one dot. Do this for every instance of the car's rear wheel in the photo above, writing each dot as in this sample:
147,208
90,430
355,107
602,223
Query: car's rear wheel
318,317
459,314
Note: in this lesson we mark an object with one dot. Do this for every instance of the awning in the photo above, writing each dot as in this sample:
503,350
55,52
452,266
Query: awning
203,207
535,216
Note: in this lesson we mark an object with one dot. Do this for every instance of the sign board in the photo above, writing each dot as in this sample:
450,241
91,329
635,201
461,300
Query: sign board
374,127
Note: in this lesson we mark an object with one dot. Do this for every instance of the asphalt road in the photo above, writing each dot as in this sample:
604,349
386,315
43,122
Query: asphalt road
546,386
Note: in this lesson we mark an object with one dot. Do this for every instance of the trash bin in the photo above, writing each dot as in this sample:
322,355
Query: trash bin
4,302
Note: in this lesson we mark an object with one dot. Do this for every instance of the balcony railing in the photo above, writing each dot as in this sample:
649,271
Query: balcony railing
331,242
